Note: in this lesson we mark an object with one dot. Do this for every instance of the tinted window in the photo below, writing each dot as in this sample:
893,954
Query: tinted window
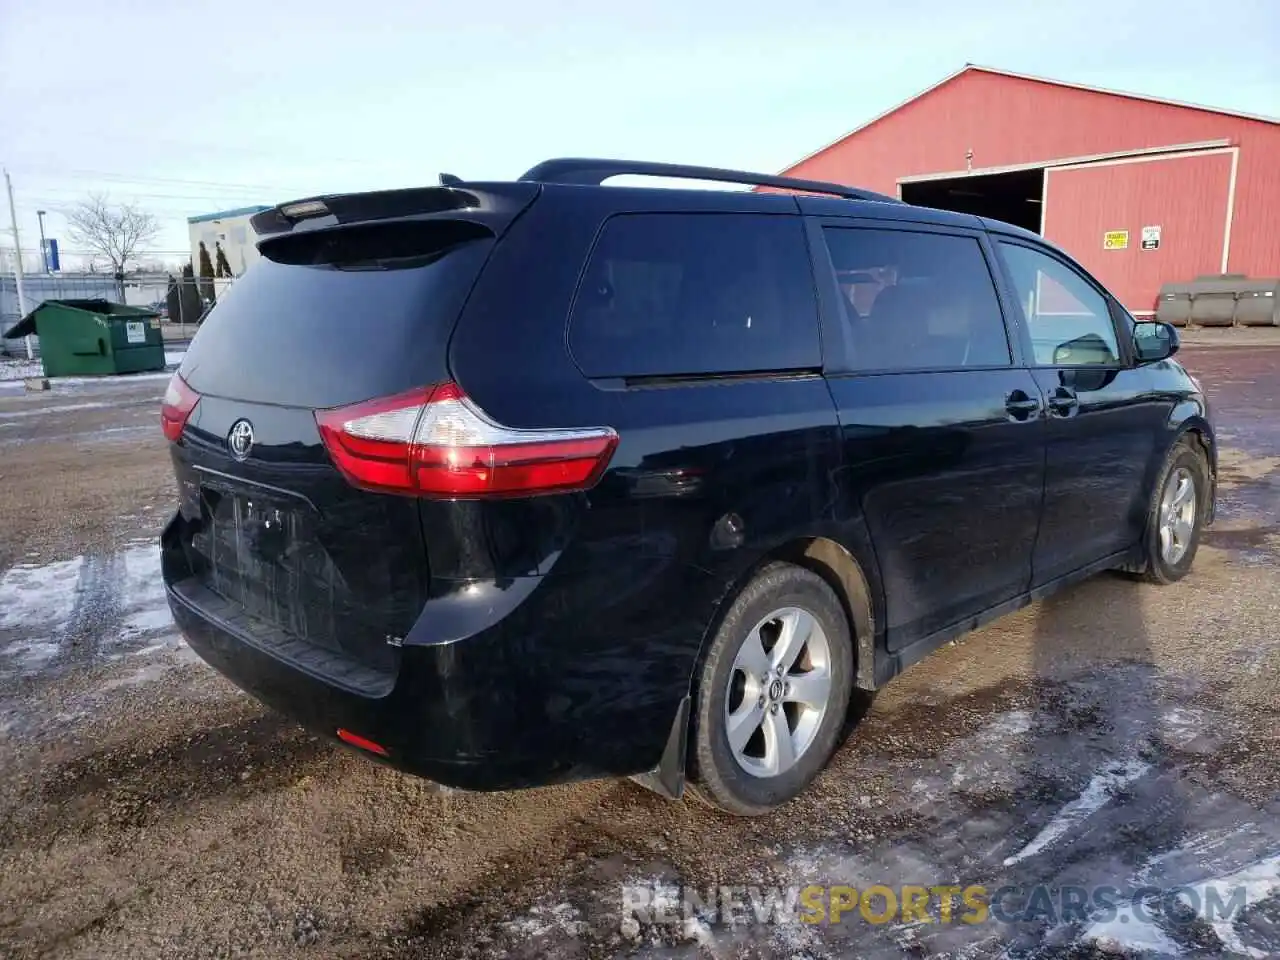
668,294
1067,318
333,317
917,300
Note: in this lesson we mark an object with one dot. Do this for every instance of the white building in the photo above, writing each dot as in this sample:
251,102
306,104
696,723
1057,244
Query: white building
231,229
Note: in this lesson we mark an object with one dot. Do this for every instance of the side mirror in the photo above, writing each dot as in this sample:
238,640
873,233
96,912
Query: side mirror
1154,341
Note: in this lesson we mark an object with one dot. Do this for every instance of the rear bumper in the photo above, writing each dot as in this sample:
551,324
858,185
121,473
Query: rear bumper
492,692
419,728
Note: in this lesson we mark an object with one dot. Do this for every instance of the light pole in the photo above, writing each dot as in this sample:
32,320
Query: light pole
17,261
44,248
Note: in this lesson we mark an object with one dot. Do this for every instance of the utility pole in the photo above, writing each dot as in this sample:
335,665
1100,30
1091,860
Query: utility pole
44,248
17,261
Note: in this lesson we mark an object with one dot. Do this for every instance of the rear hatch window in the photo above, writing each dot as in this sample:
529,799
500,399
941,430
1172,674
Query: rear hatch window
336,316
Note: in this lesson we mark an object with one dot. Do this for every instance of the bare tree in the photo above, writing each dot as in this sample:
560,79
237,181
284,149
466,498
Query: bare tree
115,232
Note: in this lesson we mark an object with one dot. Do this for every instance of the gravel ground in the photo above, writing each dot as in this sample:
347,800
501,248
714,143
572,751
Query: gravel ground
1117,734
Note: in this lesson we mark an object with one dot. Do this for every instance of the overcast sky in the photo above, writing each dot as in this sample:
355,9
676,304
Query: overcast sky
192,108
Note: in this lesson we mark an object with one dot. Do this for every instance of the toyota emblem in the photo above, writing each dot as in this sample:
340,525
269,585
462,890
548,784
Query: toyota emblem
240,439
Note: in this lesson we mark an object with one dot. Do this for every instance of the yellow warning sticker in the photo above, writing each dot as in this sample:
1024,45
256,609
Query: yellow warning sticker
1115,240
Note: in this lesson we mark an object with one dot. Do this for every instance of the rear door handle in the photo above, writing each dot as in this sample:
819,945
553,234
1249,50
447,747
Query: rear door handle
1020,406
1063,402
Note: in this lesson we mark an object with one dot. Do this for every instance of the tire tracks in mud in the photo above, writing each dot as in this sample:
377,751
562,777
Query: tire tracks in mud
96,609
644,835
595,853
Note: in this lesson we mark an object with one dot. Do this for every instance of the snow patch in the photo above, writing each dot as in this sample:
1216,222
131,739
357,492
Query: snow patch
541,920
1181,725
1215,845
1014,723
794,938
143,604
39,596
57,408
1131,934
1259,881
28,655
111,378
173,358
11,369
39,601
697,930
1094,798
146,621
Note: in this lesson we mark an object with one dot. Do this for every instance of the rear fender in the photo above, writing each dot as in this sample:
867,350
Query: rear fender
858,594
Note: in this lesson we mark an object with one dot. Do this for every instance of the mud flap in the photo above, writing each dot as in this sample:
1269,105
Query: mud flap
667,778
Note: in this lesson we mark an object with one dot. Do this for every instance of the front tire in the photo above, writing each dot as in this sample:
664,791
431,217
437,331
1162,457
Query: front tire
1176,515
773,691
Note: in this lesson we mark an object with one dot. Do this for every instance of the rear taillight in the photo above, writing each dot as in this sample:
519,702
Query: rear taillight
435,442
179,400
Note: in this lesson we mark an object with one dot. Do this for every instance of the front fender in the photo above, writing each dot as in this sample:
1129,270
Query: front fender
1191,416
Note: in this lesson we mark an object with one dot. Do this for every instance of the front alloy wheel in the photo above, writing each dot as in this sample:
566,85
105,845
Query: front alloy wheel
1177,515
1178,508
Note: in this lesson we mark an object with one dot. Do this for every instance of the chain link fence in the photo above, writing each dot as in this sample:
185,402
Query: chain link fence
180,299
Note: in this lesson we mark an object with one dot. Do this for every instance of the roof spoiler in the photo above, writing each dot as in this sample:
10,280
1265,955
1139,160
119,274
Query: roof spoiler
492,204
584,170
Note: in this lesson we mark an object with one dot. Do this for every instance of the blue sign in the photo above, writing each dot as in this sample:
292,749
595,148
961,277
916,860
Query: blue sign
51,255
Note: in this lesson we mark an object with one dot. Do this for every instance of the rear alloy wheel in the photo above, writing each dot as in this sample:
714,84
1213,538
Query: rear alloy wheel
773,692
1176,515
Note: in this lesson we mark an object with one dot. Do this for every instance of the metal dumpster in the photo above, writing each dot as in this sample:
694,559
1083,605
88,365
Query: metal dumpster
1174,304
94,337
1213,302
1258,303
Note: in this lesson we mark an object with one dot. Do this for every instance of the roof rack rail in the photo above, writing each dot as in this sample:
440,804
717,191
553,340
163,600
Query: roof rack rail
594,172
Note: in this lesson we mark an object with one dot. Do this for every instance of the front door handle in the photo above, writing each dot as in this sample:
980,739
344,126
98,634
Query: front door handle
1063,402
1020,406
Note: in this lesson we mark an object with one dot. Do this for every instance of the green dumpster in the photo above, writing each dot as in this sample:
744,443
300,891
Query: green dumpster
94,337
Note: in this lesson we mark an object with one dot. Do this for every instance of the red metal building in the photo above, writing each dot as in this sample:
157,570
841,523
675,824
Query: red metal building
1142,191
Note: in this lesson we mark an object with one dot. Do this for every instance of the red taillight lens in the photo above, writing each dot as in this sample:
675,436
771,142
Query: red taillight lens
179,400
435,442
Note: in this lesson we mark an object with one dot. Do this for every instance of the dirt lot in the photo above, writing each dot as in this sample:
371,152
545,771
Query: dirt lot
1118,734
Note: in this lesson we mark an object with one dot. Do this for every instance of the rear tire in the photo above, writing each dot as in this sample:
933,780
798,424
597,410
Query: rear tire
1176,514
774,687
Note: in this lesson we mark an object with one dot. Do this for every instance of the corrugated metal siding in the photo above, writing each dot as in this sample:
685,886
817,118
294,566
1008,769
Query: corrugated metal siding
1186,197
1012,120
1255,239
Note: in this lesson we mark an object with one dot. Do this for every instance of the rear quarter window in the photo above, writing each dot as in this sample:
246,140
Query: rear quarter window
686,294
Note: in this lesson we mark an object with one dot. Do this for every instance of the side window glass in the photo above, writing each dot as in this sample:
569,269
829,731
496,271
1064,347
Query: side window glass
676,294
916,301
1068,319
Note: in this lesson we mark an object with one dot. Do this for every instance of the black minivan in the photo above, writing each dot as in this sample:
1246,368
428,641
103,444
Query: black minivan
523,482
